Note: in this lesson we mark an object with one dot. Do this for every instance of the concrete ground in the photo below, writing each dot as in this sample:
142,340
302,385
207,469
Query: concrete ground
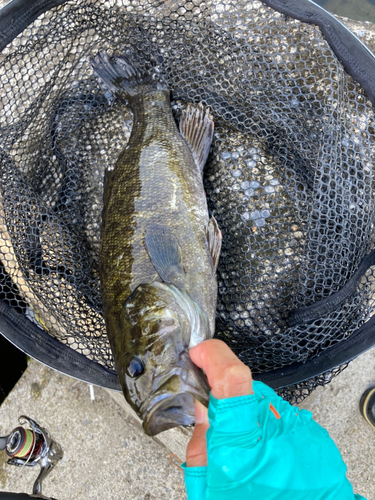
107,455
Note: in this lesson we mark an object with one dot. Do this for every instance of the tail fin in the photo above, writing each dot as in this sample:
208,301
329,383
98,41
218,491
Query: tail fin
123,77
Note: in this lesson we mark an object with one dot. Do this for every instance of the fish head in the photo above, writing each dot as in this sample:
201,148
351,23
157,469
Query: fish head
158,378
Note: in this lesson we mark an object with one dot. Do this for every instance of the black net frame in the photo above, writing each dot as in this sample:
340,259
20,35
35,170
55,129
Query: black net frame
343,301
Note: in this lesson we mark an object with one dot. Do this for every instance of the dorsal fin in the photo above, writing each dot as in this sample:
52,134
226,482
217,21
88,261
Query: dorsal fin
214,238
165,254
197,127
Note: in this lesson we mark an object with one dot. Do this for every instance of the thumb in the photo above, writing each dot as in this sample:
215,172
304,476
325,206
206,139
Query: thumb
196,452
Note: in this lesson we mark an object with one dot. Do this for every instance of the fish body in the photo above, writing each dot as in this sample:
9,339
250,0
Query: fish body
155,180
159,251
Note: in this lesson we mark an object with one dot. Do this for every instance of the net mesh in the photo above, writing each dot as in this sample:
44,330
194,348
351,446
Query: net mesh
288,179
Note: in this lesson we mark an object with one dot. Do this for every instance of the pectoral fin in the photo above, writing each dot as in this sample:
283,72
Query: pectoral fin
214,238
165,254
197,126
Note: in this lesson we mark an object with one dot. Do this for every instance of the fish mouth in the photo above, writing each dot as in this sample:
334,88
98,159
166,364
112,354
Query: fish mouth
173,403
172,411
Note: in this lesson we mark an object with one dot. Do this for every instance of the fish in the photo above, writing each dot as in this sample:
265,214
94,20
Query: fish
159,249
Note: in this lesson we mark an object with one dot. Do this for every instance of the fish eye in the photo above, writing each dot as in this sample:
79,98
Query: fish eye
135,367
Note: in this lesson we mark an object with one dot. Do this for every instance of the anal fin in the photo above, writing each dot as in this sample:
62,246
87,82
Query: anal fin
214,239
165,254
197,127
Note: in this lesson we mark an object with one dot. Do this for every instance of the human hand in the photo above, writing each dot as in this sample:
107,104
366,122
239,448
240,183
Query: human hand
254,444
228,377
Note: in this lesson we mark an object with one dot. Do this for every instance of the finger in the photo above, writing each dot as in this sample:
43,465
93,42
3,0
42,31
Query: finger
227,375
196,451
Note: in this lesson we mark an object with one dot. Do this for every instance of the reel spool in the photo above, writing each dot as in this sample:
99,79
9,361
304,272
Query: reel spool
29,446
24,444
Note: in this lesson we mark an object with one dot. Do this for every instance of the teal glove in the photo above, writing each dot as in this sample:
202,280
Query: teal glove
260,447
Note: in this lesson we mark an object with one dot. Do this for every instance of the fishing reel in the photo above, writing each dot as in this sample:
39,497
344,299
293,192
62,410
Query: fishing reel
31,446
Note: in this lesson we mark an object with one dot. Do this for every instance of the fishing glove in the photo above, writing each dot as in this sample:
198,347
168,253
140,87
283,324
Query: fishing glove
260,447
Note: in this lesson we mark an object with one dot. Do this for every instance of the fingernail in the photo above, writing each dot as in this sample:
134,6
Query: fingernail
200,413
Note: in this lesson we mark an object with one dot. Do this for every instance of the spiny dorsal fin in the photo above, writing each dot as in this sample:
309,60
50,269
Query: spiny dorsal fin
197,126
214,238
165,254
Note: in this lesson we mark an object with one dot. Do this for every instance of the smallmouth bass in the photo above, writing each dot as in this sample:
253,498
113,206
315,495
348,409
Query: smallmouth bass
159,250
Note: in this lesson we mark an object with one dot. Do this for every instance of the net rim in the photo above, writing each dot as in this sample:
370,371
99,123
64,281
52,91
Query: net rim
356,59
39,345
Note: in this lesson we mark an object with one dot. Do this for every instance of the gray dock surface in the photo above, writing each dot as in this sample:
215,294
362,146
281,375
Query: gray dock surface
107,456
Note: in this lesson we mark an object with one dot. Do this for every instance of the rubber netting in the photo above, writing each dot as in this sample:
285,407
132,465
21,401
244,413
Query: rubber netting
289,177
